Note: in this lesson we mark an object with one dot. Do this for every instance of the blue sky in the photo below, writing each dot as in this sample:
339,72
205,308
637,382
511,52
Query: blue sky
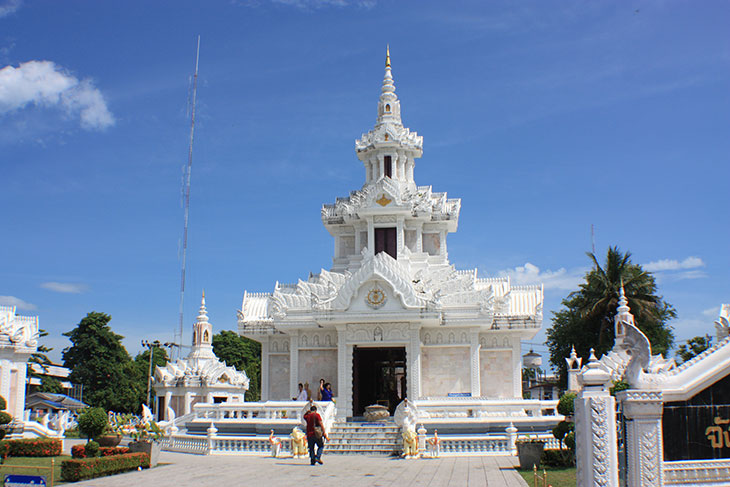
543,117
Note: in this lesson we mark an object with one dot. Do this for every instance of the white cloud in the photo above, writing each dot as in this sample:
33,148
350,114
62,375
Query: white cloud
673,265
9,7
17,302
561,279
42,83
713,312
64,287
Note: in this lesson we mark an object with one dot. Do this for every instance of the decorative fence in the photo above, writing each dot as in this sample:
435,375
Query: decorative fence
289,413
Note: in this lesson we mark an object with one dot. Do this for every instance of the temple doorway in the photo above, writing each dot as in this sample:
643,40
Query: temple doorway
379,377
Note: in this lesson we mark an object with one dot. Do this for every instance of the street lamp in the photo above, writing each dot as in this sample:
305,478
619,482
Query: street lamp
150,345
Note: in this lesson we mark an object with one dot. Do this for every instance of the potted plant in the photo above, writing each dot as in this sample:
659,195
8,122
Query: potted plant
145,438
529,451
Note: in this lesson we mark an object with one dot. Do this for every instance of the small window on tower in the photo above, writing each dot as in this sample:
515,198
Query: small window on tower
387,137
387,166
206,338
387,108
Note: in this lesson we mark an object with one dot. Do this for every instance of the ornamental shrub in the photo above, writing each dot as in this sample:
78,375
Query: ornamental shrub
3,403
5,418
92,422
557,458
565,404
89,468
91,449
41,447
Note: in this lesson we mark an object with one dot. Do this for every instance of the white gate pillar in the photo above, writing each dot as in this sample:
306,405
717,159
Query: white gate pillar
644,443
596,450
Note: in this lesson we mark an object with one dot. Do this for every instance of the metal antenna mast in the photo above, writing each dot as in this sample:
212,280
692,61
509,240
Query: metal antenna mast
179,334
593,240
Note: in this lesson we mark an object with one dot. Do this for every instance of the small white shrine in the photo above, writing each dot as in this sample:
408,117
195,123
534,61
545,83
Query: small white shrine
392,318
18,341
198,378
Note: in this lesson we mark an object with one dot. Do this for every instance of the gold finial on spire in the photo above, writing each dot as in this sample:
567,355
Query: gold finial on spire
387,55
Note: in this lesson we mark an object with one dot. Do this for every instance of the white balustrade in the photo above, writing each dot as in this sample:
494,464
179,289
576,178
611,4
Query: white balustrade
479,410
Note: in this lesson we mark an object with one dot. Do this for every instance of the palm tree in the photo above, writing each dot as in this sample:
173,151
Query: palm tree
587,318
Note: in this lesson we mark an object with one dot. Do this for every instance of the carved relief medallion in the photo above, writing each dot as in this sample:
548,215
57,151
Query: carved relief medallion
375,298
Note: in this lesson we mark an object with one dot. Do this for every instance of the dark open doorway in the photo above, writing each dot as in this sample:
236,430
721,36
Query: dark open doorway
379,377
386,240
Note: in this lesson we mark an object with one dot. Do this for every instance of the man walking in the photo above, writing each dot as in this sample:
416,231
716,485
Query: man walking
316,434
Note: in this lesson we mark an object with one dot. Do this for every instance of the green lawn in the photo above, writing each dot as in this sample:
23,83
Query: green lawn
7,467
557,477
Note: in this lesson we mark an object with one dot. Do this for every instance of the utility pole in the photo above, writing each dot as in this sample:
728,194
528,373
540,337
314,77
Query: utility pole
151,346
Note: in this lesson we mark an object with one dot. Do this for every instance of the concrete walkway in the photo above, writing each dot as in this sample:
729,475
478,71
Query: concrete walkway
184,470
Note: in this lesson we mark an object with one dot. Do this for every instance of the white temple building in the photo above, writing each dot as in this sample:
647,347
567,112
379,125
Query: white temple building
392,318
198,378
18,341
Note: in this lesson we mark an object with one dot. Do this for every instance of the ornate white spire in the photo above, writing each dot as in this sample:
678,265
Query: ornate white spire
388,106
623,315
202,335
203,313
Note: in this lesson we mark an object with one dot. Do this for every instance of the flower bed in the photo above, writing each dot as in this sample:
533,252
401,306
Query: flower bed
79,451
42,447
89,468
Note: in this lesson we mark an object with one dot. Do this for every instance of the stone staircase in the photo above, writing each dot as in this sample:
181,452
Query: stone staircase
349,438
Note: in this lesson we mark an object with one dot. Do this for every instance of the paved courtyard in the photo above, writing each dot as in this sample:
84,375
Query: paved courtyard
184,470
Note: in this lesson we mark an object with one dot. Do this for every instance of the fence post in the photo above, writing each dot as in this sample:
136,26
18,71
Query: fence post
211,431
644,443
596,449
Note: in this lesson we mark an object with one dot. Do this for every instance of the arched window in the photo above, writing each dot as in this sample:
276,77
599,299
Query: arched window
206,338
387,137
387,108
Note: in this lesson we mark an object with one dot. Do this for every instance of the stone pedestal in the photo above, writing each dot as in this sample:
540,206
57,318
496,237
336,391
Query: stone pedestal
644,444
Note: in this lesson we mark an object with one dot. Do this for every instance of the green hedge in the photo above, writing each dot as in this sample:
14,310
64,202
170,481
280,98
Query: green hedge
89,468
557,458
41,447
79,451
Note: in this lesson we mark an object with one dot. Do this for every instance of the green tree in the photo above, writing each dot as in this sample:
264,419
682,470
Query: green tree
243,354
142,364
693,347
586,318
99,362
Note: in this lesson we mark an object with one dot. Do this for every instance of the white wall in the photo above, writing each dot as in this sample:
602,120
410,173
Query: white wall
445,370
318,364
279,378
496,374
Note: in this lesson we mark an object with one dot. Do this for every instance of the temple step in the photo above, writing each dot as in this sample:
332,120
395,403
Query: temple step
354,438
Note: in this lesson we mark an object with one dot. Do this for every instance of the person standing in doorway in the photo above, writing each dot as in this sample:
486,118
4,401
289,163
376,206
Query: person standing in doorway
316,435
307,391
321,388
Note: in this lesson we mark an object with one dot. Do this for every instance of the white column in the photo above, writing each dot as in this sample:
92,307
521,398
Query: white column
20,388
168,404
337,247
265,368
357,241
442,248
344,374
293,364
400,237
368,171
419,238
644,442
371,237
381,163
188,400
596,451
5,379
474,347
516,366
413,356
410,165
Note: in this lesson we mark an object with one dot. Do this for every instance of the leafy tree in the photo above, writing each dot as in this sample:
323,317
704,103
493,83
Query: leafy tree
693,347
586,319
51,384
99,362
243,354
5,418
142,364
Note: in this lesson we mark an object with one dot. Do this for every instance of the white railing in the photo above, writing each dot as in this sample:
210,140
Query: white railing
186,444
696,472
283,413
247,445
459,409
474,445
